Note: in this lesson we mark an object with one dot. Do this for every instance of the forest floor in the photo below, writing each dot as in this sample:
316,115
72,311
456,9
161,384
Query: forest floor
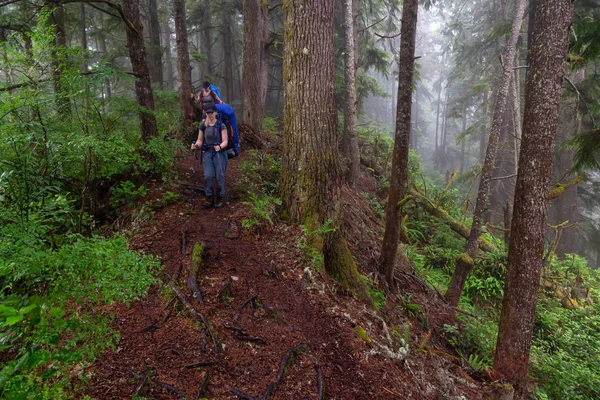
274,317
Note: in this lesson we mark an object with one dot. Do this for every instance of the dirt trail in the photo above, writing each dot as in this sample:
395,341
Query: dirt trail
268,308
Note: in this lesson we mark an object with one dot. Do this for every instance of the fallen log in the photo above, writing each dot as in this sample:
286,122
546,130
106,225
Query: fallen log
192,281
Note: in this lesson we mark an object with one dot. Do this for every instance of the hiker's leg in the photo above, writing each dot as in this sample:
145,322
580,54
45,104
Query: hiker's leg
221,166
209,172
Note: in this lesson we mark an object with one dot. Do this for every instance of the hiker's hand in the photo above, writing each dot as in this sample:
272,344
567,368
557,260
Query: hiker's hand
194,146
218,147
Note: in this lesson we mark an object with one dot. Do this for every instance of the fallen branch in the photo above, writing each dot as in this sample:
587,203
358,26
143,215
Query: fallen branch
320,384
192,281
194,313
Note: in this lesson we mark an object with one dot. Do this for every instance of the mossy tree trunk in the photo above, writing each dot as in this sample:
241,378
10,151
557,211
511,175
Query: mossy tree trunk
542,98
310,173
137,53
399,175
462,270
59,60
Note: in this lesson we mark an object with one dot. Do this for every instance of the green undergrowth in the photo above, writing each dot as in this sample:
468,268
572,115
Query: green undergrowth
564,362
52,323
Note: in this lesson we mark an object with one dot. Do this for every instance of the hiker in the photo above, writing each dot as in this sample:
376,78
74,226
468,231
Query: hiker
213,140
208,96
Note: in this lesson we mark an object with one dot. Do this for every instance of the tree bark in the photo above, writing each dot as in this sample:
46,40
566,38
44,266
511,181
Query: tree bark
184,72
399,173
82,32
57,19
349,146
462,269
256,57
227,54
137,53
155,49
168,56
310,184
542,98
437,118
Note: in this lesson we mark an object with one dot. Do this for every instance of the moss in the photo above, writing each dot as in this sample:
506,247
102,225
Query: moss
362,333
197,253
559,190
340,264
466,259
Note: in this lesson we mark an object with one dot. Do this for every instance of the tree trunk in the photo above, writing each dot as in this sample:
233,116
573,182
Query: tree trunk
484,128
350,139
310,184
516,110
256,57
462,147
399,174
227,55
84,45
155,49
542,98
184,72
101,38
168,56
57,19
137,53
437,118
207,43
462,269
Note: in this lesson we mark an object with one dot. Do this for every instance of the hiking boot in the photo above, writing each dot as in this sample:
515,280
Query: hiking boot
208,203
219,202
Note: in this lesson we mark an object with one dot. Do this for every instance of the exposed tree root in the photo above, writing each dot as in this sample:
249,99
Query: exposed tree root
194,313
239,394
140,389
241,334
172,389
202,364
255,302
203,343
150,328
203,388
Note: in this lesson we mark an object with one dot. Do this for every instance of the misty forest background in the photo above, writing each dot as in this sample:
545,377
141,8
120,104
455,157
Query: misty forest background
94,102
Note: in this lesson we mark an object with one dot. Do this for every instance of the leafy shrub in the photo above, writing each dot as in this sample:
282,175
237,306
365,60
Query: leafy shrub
377,296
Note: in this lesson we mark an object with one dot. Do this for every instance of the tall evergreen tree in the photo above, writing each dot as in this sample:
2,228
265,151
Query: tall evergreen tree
310,171
543,92
399,175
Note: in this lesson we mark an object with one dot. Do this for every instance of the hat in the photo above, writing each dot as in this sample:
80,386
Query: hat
209,108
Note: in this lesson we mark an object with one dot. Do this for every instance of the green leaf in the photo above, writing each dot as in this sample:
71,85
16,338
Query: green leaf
14,319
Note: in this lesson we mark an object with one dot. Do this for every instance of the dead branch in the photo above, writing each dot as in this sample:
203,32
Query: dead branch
241,334
275,315
285,362
251,300
387,36
560,188
194,313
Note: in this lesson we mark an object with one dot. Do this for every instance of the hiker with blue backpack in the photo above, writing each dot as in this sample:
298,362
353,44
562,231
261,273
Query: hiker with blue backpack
213,140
